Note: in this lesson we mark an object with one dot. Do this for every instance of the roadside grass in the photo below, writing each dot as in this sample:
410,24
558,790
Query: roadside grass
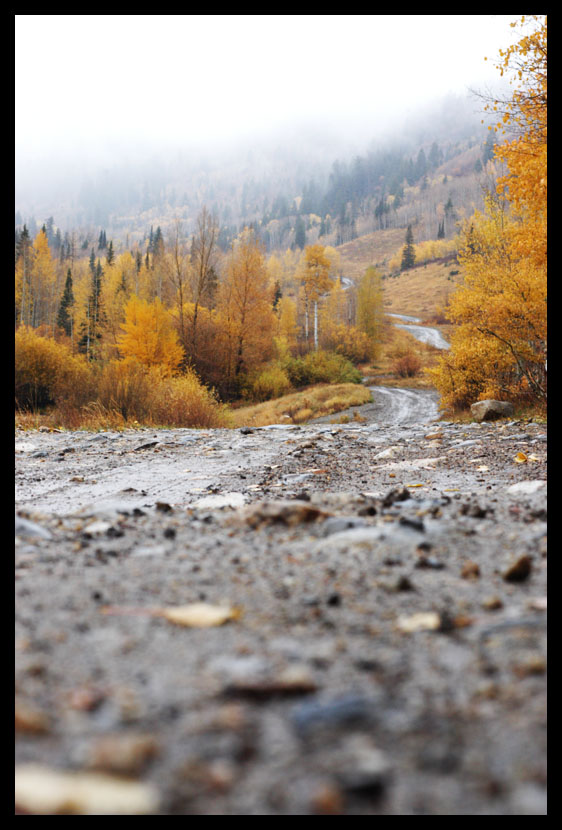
423,291
299,407
398,349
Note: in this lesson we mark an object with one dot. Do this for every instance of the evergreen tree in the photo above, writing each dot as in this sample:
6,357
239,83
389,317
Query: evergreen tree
91,327
300,233
408,252
441,230
64,318
110,254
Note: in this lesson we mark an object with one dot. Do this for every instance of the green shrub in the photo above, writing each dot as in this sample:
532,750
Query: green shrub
271,382
321,367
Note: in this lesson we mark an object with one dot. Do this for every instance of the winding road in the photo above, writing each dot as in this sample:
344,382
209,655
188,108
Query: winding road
424,334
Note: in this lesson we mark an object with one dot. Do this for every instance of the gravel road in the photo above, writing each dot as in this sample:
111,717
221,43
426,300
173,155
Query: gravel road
383,650
425,334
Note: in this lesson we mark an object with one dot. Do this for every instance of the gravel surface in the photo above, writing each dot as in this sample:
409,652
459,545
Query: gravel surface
383,650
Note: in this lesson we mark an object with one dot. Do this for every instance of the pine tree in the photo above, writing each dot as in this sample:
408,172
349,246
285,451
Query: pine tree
408,252
24,262
64,317
300,233
110,254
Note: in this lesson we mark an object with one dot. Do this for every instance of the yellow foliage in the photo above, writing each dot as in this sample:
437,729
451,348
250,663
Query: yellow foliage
149,336
499,348
47,372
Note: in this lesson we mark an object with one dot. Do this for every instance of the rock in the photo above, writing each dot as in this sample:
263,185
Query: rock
283,512
294,680
526,488
351,710
364,770
29,719
336,524
23,527
222,500
490,410
470,570
519,570
124,754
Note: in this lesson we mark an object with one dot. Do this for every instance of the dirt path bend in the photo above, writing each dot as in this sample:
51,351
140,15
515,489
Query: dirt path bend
425,334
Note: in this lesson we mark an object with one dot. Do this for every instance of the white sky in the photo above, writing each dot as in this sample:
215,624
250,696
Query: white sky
104,80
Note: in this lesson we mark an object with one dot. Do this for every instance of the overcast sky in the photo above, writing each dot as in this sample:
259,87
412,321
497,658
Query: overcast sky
101,81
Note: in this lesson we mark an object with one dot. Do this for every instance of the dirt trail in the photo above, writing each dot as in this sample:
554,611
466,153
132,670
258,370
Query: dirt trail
328,695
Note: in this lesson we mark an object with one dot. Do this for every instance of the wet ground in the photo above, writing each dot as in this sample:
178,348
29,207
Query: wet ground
383,650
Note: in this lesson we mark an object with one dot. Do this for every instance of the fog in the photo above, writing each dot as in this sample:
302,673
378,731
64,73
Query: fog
107,90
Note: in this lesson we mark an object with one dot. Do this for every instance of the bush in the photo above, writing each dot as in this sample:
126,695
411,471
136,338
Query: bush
151,396
48,373
407,366
126,388
349,341
271,382
184,402
321,367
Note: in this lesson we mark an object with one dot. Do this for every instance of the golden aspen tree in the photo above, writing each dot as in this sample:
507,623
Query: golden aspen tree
499,347
149,336
43,284
287,326
244,305
203,268
315,278
370,313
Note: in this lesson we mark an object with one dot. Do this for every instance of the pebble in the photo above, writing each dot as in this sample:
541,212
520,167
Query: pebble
24,527
519,570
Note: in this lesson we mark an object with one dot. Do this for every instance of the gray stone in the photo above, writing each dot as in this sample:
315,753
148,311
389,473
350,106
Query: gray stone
26,528
490,410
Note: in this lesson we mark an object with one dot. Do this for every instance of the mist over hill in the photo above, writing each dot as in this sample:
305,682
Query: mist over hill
341,181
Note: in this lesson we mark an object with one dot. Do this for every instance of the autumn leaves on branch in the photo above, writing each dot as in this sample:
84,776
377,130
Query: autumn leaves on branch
499,347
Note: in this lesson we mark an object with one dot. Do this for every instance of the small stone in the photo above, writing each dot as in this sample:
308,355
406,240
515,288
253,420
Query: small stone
470,570
493,603
327,800
284,512
23,527
29,718
519,570
125,754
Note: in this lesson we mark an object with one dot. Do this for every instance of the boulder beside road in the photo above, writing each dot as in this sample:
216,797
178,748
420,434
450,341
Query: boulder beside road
490,410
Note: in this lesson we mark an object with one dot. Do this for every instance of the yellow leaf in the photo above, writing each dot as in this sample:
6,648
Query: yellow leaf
200,615
40,790
520,458
423,621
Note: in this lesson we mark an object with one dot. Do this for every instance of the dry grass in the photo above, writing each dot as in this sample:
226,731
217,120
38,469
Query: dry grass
299,407
370,249
397,345
422,291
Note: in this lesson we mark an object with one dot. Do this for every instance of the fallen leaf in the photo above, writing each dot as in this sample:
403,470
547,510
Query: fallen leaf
40,790
200,615
483,468
520,458
414,485
423,621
